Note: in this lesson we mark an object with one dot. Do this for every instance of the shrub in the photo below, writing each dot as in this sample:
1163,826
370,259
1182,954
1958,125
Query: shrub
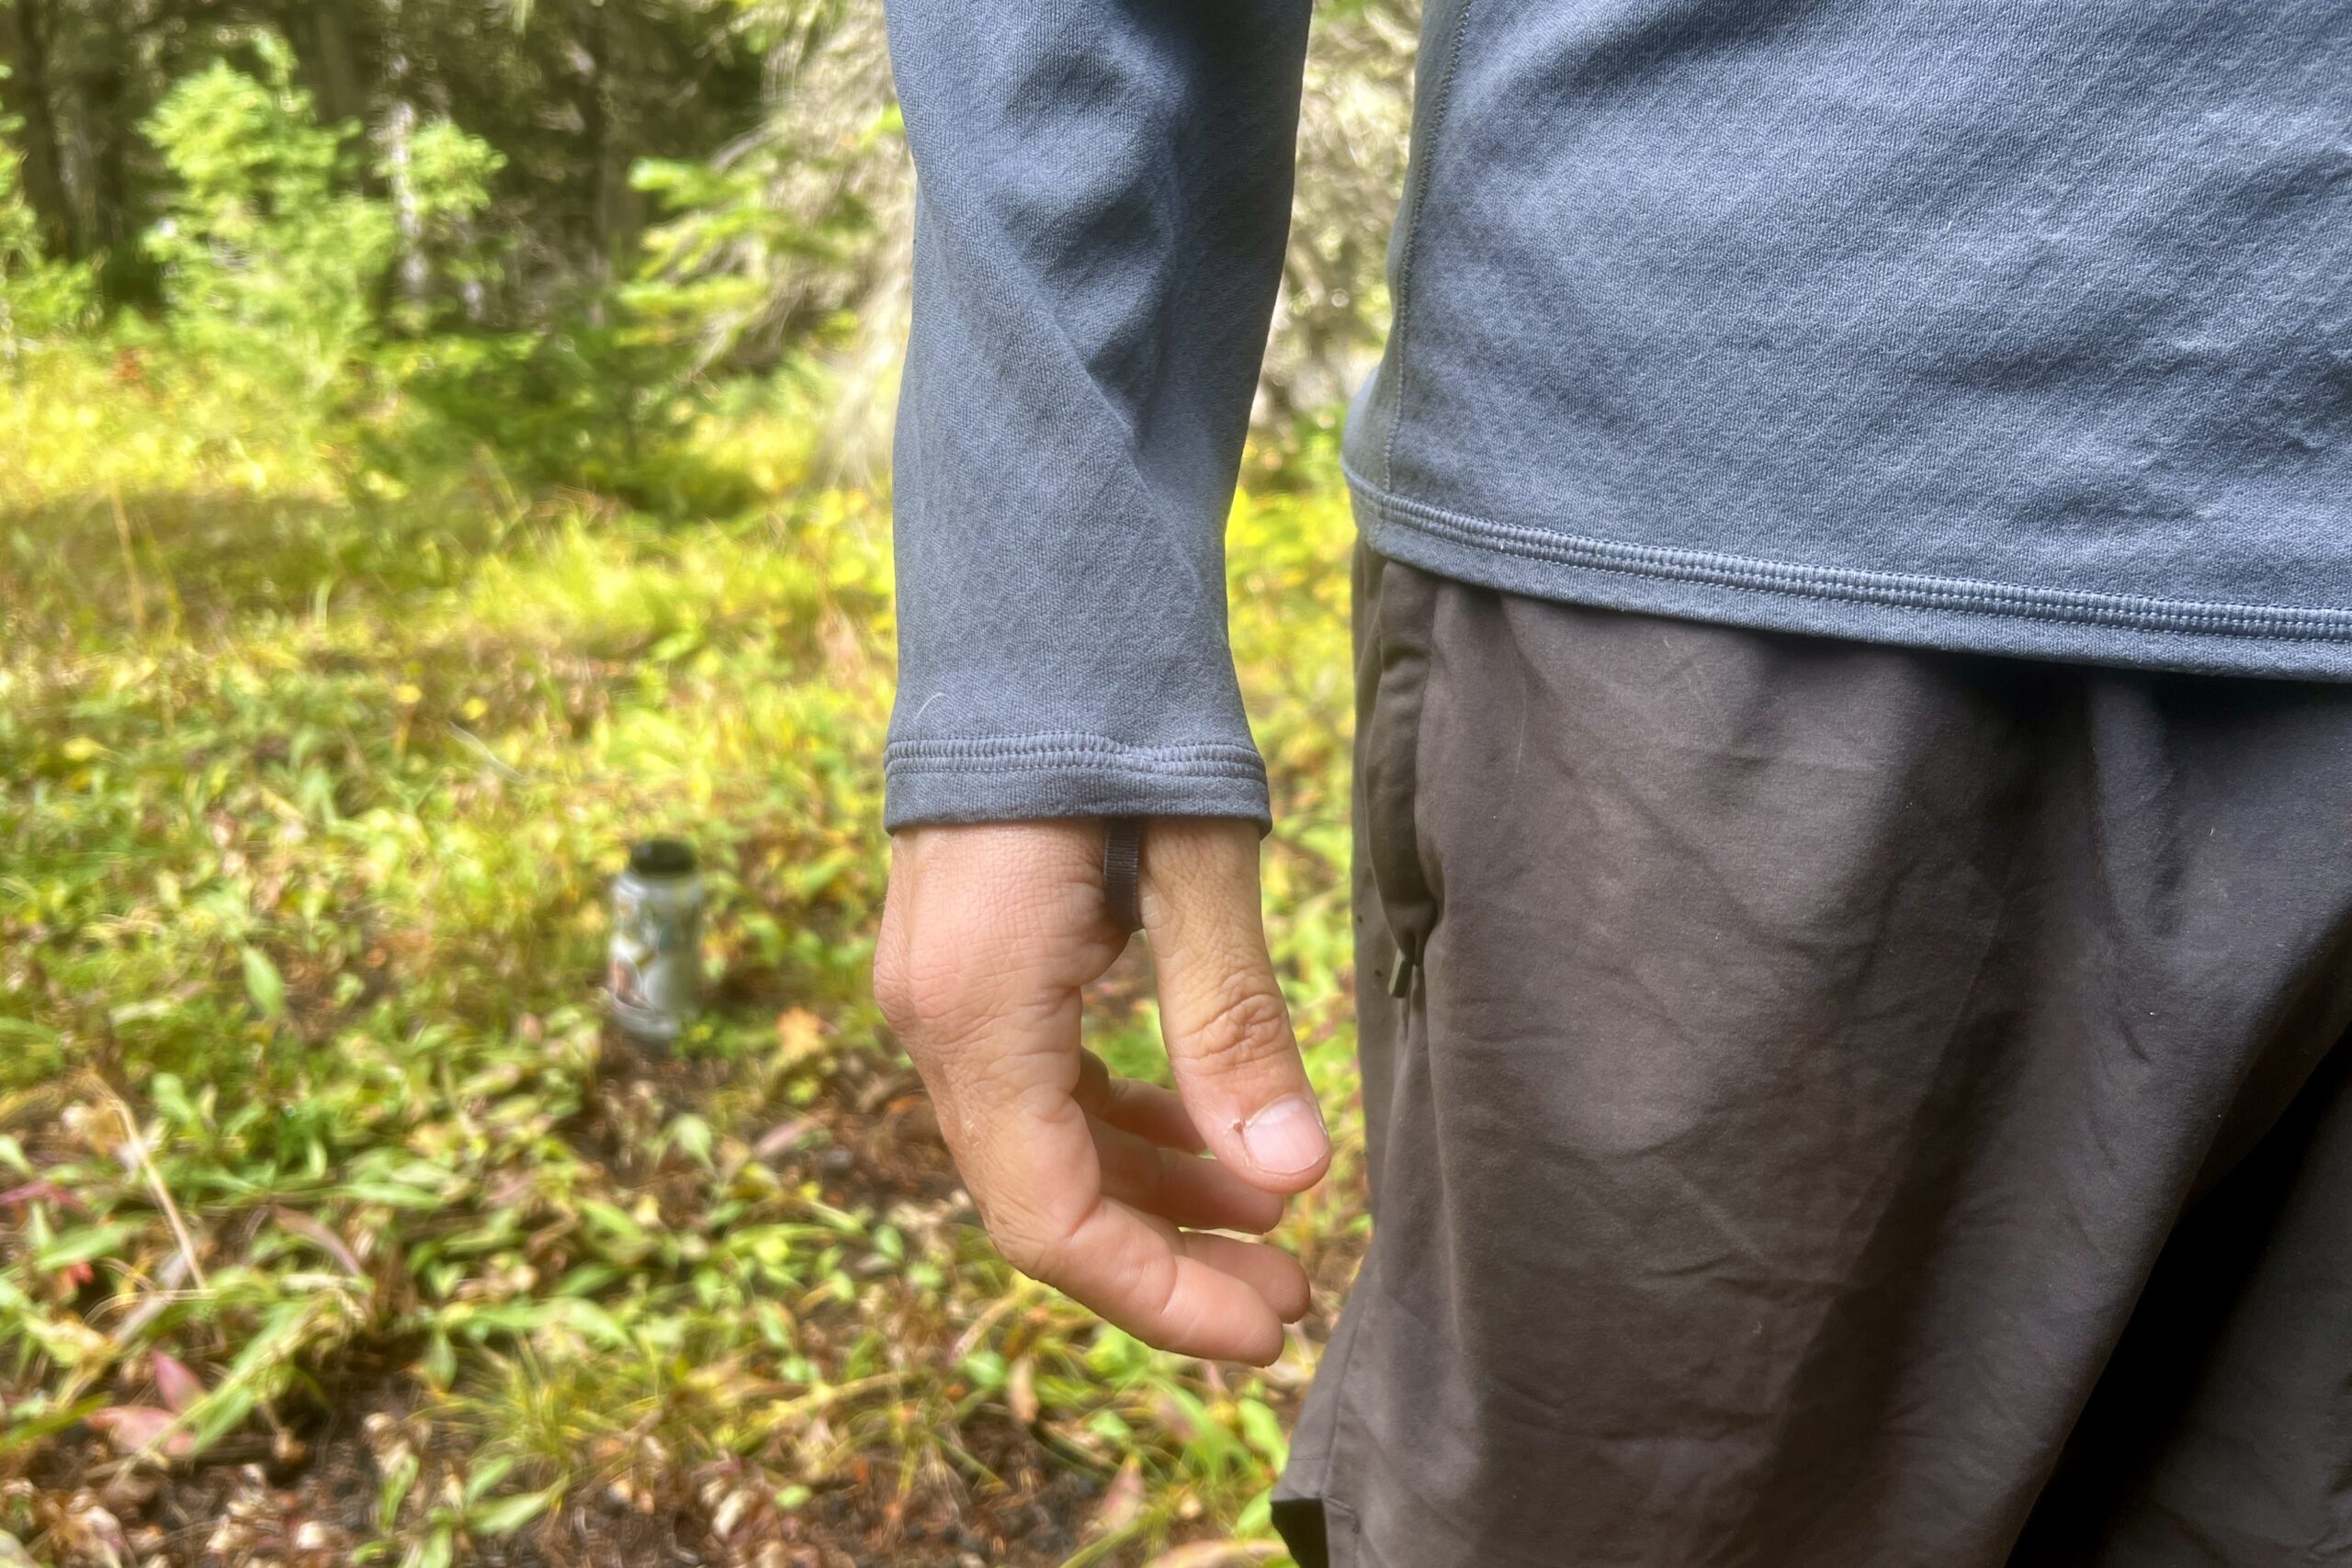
38,297
276,260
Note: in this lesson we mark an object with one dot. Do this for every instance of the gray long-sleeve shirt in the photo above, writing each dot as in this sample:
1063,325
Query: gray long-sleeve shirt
1986,324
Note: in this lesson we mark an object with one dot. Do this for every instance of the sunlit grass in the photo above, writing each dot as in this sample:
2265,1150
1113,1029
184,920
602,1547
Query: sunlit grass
306,807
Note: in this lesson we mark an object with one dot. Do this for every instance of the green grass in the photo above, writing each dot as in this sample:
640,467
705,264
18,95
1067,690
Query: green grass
335,1225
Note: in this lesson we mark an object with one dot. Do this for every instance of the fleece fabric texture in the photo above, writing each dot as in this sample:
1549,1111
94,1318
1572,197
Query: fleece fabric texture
1964,324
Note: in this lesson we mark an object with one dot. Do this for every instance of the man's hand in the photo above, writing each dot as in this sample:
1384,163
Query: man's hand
1091,1184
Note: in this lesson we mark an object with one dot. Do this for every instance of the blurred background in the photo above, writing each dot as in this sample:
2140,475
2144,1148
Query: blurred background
442,441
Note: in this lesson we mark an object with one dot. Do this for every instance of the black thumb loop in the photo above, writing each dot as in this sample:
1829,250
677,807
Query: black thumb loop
1122,873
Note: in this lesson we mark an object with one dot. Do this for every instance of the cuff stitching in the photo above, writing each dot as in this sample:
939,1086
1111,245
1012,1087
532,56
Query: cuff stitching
1206,758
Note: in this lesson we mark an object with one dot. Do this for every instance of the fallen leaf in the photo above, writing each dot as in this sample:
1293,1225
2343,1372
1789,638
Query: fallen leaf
1176,1418
179,1387
1123,1501
1022,1390
134,1428
42,1192
1217,1554
318,1236
800,1034
780,1138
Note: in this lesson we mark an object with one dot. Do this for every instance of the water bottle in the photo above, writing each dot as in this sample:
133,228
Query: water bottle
655,966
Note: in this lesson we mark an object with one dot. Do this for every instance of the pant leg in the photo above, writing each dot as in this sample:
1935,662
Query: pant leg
1812,1051
2221,1433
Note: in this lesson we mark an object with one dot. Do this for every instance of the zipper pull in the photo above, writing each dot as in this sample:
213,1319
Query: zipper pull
1400,974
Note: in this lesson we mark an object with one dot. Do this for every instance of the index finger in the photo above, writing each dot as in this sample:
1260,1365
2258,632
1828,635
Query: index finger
1033,1165
1197,1292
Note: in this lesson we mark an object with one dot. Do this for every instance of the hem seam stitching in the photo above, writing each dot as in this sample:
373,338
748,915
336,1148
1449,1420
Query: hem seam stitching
1072,751
1897,590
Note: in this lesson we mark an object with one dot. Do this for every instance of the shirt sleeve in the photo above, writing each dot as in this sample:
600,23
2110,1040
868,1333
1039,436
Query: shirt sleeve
1103,198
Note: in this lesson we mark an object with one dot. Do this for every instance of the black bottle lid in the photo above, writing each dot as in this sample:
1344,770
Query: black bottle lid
661,857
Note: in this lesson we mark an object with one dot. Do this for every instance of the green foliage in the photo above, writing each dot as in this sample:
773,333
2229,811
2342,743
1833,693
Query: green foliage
572,93
616,202
441,179
776,241
272,262
39,299
605,407
276,260
313,803
452,173
357,610
709,263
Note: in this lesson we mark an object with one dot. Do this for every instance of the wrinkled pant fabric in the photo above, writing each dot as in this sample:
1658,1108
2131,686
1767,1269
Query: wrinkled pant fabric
1855,1105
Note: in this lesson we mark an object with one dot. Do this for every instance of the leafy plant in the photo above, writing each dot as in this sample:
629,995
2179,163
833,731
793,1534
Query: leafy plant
276,260
271,261
607,407
39,299
441,181
308,1117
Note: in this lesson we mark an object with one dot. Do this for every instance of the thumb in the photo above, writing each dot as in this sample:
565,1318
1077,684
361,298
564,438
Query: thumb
1229,1039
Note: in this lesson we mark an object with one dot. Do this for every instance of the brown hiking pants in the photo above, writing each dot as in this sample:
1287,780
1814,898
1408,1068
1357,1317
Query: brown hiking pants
1839,1106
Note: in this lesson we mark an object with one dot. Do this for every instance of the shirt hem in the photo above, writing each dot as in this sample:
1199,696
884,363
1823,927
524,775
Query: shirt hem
1915,609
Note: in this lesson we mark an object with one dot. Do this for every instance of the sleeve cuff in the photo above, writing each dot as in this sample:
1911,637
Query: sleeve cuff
1018,778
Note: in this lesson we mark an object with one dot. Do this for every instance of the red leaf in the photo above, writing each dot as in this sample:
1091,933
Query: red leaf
318,1236
42,1192
134,1427
1123,1501
179,1387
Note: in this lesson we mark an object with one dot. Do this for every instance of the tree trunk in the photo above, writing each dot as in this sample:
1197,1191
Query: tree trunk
106,94
319,31
24,27
415,272
597,130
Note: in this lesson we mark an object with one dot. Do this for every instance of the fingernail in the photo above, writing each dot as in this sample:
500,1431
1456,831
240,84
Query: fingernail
1285,1136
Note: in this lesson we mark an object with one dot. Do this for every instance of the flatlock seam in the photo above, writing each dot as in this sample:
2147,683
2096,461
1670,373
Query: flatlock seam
1010,753
1895,590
